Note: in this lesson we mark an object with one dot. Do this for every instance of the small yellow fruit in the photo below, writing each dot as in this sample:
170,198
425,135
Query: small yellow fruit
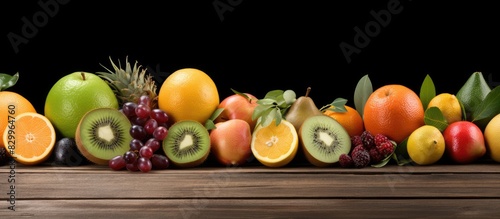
425,145
449,106
491,133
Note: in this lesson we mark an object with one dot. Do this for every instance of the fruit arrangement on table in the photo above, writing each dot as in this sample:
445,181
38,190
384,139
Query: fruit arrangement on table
123,119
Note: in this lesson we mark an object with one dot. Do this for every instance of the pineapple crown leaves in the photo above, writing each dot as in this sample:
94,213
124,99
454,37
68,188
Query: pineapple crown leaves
130,83
7,81
273,106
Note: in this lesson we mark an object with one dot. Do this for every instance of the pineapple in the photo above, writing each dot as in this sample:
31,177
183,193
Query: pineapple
130,83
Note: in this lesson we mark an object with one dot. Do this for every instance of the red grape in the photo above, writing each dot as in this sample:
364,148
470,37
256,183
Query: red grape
159,115
160,133
138,132
144,164
146,152
153,143
159,161
130,157
117,162
150,126
142,111
128,109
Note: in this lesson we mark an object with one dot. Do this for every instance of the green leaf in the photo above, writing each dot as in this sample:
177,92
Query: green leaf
268,116
209,124
488,108
433,116
363,90
260,110
400,155
427,91
274,94
7,81
267,101
338,105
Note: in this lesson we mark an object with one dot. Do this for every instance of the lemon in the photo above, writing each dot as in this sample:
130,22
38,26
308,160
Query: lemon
491,133
188,94
425,145
74,95
449,106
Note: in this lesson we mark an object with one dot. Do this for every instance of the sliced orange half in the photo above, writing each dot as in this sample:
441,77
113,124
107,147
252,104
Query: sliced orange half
275,145
29,138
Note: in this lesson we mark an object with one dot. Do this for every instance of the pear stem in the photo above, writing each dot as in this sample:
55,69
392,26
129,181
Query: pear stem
83,75
308,91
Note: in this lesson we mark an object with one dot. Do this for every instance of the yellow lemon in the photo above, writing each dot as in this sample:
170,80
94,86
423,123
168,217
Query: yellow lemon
449,106
425,145
491,133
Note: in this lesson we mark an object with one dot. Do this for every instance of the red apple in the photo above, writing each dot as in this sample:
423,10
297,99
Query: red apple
230,142
464,142
238,106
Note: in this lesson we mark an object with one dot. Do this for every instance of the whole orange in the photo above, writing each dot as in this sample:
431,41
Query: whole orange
393,110
351,120
12,104
188,94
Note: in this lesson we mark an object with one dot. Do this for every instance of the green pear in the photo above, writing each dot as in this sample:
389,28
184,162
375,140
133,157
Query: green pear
302,109
473,92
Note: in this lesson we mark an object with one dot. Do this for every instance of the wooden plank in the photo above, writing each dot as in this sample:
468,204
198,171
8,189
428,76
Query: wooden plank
237,184
256,208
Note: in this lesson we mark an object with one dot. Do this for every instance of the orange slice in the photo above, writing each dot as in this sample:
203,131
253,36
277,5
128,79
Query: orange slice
275,145
29,138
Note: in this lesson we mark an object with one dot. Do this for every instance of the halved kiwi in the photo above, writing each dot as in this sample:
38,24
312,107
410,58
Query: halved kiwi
102,134
323,140
187,144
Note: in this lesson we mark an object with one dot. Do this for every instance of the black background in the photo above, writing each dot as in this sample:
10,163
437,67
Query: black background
256,46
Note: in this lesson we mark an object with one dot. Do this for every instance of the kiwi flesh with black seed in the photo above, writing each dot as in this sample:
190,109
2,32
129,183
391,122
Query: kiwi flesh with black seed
102,134
323,140
187,144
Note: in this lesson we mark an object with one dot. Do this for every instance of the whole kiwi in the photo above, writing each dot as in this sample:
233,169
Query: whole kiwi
187,144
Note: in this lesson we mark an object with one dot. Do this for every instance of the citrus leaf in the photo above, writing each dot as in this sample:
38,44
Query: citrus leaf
433,116
400,154
362,91
488,108
273,94
260,110
427,91
7,80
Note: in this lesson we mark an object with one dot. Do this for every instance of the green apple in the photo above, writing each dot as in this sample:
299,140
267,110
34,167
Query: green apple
72,96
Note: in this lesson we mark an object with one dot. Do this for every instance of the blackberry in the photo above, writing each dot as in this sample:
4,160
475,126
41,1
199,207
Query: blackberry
367,139
361,158
345,161
3,156
375,156
380,138
386,148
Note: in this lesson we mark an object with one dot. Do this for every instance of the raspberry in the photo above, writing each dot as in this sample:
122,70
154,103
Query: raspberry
375,156
357,148
385,149
360,157
367,139
346,161
356,140
380,138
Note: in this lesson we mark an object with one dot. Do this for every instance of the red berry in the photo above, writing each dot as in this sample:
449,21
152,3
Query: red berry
386,148
380,138
345,161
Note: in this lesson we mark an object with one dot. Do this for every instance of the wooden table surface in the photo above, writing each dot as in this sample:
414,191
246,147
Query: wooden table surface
253,191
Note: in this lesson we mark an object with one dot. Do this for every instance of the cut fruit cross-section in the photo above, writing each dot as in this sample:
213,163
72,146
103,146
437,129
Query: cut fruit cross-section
275,145
29,138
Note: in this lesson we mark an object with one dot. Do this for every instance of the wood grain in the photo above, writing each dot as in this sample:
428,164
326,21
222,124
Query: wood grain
438,191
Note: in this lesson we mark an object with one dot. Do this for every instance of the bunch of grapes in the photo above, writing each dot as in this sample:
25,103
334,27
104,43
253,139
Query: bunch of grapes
149,128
